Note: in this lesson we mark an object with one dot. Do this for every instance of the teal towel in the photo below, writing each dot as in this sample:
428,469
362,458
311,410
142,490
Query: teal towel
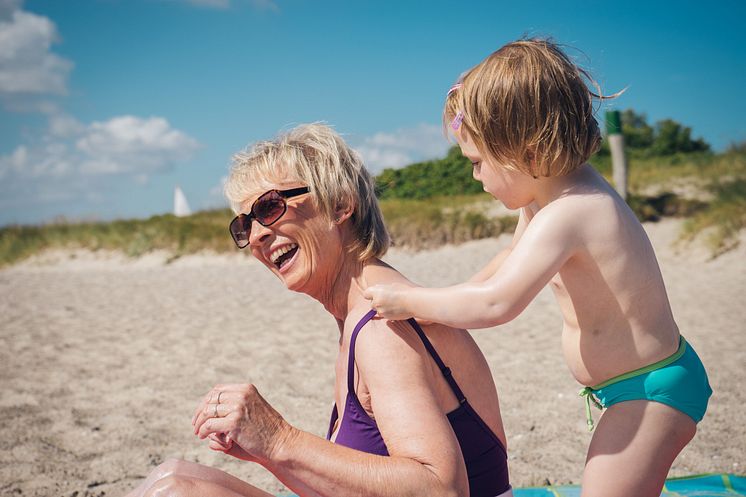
710,485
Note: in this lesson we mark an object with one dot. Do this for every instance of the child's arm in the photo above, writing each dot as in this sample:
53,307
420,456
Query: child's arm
548,241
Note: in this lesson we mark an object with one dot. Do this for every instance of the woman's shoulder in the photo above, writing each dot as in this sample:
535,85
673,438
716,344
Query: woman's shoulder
379,341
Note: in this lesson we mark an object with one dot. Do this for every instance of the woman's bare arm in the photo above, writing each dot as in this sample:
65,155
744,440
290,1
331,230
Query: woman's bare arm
425,458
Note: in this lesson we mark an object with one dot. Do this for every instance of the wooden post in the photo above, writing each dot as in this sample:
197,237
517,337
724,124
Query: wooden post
616,145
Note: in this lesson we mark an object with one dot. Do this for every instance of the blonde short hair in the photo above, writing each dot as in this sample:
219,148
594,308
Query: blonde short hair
528,106
317,156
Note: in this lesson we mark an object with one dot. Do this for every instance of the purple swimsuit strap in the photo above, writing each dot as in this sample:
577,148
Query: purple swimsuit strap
434,354
425,341
351,353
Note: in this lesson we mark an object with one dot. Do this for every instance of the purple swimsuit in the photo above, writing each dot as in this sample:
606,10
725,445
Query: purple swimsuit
484,454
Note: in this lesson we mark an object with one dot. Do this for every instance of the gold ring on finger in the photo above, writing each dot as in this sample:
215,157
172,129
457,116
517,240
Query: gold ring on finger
215,415
219,394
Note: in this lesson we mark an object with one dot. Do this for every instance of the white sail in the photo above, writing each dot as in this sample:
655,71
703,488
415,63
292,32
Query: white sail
181,208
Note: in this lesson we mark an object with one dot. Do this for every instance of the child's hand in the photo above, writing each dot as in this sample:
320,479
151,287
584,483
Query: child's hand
388,300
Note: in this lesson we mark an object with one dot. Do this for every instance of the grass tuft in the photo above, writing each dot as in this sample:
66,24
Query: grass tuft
430,223
723,219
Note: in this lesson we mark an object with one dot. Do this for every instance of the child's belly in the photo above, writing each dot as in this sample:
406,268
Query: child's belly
594,356
584,358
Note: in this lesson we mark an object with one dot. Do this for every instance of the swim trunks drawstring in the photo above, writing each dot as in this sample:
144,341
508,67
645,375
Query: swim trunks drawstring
587,392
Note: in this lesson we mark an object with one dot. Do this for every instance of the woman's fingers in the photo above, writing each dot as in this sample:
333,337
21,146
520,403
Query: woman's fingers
241,414
215,425
200,405
207,399
212,411
217,446
218,394
220,441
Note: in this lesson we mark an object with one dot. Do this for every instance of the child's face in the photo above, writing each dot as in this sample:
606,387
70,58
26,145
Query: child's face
511,187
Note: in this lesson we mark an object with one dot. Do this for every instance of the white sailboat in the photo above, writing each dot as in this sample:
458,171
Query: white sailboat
181,207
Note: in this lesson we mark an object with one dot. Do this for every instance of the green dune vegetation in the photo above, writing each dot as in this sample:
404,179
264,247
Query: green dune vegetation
435,202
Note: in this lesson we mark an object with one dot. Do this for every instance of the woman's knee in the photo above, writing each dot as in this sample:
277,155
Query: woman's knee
166,468
173,485
171,466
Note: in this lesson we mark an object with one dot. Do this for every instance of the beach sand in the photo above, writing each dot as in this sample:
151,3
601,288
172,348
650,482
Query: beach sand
103,360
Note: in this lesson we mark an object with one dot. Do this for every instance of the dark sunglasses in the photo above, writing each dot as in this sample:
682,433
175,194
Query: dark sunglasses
267,210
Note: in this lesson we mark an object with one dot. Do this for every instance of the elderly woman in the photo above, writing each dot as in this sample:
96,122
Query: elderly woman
416,411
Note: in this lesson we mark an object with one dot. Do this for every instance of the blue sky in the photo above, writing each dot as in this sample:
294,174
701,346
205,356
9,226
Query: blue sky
106,105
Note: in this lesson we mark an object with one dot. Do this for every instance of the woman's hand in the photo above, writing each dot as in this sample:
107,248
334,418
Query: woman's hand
389,300
239,422
222,443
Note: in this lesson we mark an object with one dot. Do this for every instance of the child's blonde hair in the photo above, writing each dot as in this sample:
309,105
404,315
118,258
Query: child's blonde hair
529,107
317,156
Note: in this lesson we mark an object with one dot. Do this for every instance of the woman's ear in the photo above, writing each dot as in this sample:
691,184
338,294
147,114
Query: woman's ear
342,213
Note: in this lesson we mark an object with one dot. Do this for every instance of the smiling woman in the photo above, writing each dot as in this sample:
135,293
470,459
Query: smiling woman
403,423
308,159
317,157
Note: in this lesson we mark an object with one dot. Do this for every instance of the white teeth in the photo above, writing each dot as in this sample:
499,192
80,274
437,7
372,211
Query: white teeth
280,251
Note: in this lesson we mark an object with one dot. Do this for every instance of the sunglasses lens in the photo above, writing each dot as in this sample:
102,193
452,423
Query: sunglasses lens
239,228
269,208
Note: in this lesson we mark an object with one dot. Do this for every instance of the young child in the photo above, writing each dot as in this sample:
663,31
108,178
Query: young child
524,118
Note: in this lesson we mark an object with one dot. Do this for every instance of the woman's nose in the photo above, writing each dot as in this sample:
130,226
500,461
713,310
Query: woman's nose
258,232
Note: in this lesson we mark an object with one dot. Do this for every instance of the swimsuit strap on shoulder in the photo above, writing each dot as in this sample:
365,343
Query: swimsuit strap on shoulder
438,361
351,353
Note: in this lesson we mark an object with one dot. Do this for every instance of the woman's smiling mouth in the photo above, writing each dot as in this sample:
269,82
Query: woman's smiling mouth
282,255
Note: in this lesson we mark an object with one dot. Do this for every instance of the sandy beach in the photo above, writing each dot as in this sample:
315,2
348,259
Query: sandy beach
103,360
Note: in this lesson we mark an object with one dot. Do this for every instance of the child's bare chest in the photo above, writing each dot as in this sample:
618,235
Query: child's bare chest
583,298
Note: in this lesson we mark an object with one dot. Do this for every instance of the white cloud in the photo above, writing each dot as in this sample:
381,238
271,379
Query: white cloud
27,67
64,126
128,144
13,163
70,163
402,147
71,155
7,7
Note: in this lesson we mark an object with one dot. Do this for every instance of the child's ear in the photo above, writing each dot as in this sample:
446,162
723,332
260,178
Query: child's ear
531,160
342,213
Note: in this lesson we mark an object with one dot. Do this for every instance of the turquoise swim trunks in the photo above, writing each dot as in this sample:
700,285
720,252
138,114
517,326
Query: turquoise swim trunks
679,381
